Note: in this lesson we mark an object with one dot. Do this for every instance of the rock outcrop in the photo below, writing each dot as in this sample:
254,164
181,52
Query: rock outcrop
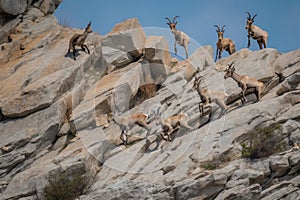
55,115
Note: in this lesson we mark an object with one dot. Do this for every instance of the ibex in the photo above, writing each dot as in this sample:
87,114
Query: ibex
171,123
180,37
256,33
245,82
223,43
78,40
125,123
209,96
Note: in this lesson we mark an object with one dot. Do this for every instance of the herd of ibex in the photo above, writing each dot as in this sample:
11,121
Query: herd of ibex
172,123
183,39
227,44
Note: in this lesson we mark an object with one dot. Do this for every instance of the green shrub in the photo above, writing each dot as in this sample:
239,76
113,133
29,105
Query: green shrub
263,141
210,166
64,187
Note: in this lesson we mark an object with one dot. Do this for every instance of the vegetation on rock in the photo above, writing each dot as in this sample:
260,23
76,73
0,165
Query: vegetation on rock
263,142
63,186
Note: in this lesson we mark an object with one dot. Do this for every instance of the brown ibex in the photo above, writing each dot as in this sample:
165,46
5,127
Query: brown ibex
169,124
245,82
256,32
78,40
180,37
126,122
223,43
209,96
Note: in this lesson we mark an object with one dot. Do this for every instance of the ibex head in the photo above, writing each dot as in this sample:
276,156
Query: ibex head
220,31
197,81
88,28
229,70
249,20
157,113
172,24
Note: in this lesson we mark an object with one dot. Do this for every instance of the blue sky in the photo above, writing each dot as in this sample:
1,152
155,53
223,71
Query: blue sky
197,17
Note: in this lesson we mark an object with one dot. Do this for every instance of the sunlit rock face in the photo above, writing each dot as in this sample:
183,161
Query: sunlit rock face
55,114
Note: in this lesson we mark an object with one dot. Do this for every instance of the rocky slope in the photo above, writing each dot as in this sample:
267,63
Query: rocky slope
54,115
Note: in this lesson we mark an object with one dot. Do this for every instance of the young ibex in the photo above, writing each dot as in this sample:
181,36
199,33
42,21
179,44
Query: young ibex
245,82
180,37
125,123
78,40
256,33
171,123
223,43
208,96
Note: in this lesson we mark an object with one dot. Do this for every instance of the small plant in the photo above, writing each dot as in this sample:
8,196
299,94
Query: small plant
173,63
210,166
263,141
66,187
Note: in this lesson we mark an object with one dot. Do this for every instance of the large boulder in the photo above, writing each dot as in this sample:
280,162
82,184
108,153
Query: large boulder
116,57
287,62
9,9
289,84
158,54
198,61
201,58
239,55
128,37
34,97
47,6
13,7
157,50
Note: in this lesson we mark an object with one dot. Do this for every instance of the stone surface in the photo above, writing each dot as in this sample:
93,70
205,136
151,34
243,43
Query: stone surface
126,83
157,50
47,7
54,116
30,135
290,83
34,98
201,58
241,192
30,10
279,166
128,37
257,64
287,62
13,7
116,57
71,160
28,94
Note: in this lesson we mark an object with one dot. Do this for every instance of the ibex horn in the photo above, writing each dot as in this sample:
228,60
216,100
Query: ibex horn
223,28
218,28
175,19
168,20
249,15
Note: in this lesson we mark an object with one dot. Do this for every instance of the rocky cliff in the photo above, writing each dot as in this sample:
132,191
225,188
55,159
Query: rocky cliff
55,115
